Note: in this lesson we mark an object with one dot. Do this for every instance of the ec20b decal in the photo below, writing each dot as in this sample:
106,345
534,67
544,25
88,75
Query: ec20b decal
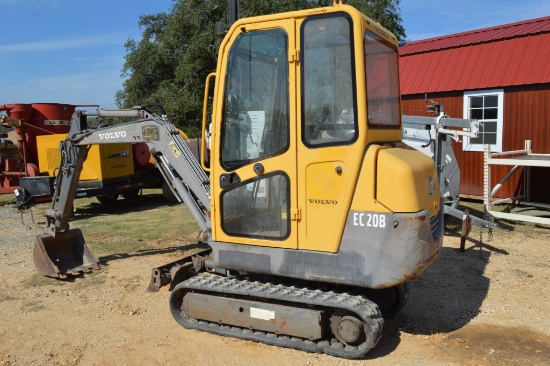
365,219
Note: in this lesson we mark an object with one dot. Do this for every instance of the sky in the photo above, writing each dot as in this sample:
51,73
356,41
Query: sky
72,51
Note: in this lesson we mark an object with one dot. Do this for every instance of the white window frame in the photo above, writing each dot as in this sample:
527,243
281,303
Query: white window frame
466,146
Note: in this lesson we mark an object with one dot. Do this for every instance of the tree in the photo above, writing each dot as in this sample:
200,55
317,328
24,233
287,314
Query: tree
169,64
386,12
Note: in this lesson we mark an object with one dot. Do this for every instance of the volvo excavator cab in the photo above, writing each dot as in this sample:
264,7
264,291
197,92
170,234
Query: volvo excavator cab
315,212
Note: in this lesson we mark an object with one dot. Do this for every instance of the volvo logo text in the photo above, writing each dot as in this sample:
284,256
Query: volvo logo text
112,135
323,202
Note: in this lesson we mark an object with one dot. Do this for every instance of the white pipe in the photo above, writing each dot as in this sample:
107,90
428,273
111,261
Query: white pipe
508,200
509,152
503,180
456,132
120,113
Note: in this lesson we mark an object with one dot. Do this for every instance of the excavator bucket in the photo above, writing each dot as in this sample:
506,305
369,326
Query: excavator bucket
63,254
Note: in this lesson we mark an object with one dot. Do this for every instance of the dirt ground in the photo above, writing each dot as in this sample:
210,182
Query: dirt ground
488,307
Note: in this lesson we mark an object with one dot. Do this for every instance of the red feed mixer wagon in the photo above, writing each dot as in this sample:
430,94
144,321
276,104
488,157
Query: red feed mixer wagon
19,158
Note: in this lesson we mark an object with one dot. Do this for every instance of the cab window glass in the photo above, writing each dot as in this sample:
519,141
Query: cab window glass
328,81
382,75
258,208
255,124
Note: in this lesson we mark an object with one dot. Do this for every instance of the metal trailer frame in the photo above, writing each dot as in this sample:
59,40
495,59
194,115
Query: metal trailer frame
528,160
36,190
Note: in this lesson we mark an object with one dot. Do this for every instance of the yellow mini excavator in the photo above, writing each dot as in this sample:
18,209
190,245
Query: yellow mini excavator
315,213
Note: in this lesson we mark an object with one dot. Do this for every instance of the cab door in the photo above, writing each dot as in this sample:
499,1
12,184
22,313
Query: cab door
253,178
330,148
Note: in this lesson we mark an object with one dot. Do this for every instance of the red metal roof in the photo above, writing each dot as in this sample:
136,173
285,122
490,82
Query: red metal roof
511,54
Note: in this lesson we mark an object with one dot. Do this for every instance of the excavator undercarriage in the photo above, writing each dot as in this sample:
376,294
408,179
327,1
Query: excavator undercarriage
338,324
340,320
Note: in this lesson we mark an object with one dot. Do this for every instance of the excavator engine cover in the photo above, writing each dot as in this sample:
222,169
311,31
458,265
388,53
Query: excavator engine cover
63,254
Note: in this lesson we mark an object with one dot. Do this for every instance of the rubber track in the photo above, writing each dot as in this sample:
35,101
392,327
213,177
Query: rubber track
364,308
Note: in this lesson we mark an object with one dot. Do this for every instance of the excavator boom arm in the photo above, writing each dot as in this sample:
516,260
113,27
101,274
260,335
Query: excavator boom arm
62,251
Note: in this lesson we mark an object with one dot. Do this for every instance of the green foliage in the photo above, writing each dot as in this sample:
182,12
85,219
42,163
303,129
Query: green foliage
386,12
169,64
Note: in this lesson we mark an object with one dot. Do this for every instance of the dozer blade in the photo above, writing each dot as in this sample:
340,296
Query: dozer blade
63,254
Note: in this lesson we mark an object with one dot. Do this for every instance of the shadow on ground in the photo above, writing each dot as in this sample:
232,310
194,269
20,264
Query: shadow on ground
106,259
445,298
142,202
450,292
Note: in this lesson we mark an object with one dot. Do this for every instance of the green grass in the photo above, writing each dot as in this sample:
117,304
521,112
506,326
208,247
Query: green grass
4,297
129,226
6,199
94,278
37,280
76,283
32,306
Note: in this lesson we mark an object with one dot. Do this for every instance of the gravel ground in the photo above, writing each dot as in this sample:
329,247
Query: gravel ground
487,307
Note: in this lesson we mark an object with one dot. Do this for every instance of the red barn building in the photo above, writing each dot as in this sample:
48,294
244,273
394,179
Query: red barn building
498,75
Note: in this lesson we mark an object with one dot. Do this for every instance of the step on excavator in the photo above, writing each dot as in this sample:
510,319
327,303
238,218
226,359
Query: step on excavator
315,213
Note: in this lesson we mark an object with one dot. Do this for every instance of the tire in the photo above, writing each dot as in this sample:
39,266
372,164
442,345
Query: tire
390,300
108,198
131,194
401,293
167,194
